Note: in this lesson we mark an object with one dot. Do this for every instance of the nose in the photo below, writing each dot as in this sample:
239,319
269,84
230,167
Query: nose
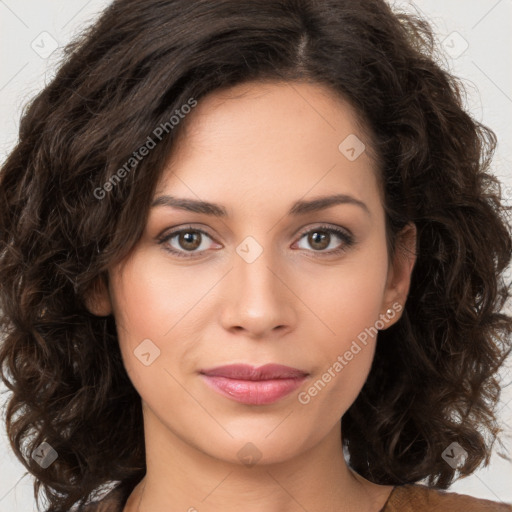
258,300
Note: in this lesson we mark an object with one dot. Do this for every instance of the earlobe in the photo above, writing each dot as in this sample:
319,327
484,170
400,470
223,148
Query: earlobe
97,298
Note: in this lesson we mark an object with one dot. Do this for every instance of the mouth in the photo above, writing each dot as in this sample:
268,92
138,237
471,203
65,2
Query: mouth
254,386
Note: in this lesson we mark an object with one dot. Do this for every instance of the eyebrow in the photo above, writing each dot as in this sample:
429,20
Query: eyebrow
298,208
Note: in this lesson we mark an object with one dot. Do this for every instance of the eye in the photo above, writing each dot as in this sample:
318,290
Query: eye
188,240
320,238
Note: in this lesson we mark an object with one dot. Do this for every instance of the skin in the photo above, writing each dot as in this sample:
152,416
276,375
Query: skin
256,149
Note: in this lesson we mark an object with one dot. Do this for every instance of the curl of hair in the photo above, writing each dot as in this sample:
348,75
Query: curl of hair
433,380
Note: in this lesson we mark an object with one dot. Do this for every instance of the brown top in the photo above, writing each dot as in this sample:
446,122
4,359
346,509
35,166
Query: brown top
403,498
419,498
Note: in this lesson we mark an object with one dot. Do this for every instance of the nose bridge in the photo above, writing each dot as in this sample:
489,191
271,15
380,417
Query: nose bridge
258,300
254,263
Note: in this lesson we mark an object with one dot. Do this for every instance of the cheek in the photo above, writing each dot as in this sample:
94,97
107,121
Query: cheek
157,308
342,360
350,298
349,307
151,299
143,313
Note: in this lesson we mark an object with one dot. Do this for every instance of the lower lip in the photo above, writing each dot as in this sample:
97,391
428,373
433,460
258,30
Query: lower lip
253,392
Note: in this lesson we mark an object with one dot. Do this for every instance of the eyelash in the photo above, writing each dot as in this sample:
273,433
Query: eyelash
345,237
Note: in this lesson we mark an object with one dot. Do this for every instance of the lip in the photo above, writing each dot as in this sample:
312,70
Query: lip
254,386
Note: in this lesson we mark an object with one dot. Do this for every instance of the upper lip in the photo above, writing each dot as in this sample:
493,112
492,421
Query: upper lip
248,372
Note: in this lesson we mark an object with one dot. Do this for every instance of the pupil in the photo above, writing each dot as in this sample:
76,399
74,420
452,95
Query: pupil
315,236
189,242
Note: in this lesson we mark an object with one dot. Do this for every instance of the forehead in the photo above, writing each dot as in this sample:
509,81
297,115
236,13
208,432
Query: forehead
268,141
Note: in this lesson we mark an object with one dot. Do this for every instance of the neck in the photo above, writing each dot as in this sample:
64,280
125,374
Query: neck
181,477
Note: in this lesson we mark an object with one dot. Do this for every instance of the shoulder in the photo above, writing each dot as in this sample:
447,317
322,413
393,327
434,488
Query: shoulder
418,498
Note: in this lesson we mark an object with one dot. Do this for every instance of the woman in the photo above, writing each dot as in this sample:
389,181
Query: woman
252,257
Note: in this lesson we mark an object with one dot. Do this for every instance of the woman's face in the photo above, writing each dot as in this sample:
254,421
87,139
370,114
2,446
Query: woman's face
256,285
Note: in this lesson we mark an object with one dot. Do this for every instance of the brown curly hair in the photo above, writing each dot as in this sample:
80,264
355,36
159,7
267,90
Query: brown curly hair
433,379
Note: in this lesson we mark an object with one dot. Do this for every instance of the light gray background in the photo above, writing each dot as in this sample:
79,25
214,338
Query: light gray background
477,38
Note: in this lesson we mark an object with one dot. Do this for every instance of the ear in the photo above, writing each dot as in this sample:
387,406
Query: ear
400,271
97,298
